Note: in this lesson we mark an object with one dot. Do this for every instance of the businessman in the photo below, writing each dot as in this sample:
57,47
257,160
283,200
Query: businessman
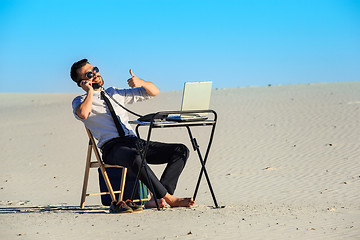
118,146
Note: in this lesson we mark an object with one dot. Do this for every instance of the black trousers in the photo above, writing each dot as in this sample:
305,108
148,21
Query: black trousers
124,151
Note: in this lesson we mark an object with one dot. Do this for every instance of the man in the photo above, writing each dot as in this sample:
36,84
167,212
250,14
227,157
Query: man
93,111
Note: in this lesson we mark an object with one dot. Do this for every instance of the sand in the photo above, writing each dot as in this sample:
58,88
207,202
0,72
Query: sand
284,165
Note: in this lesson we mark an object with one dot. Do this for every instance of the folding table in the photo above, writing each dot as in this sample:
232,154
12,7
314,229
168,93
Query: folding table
154,123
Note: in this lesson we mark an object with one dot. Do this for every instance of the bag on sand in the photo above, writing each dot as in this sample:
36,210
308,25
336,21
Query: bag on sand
114,174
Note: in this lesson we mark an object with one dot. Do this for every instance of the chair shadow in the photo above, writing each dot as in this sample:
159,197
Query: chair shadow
95,209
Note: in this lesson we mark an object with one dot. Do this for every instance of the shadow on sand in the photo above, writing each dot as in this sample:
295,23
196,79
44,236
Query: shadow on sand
54,209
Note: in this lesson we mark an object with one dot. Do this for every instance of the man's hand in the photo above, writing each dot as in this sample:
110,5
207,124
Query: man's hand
134,81
86,85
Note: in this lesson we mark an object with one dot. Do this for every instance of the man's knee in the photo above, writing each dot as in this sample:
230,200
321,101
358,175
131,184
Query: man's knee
134,159
182,151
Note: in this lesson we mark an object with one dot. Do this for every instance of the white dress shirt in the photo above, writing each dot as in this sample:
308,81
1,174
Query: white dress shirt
100,122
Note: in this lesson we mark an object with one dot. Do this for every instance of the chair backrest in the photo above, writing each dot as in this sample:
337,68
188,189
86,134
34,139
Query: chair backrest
93,144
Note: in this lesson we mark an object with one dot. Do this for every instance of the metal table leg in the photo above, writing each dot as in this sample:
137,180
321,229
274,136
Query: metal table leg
203,168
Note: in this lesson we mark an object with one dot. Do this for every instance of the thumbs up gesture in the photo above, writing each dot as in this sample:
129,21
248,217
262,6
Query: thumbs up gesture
134,81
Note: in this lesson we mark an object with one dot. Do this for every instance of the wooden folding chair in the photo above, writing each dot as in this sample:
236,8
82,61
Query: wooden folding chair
100,164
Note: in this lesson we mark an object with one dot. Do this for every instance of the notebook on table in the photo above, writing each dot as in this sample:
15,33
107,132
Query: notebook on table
196,96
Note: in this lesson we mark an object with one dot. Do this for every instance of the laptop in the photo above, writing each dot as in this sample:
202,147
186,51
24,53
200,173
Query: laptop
196,96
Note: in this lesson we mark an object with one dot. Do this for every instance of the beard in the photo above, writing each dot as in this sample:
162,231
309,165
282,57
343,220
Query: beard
98,85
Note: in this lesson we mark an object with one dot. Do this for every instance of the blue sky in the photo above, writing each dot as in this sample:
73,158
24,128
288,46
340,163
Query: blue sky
168,42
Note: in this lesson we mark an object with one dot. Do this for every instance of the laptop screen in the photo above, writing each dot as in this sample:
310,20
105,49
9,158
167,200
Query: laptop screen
196,96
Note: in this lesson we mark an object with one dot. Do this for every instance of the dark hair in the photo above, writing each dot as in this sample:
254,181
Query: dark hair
75,67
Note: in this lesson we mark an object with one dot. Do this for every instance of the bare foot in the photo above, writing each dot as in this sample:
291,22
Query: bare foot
152,203
179,202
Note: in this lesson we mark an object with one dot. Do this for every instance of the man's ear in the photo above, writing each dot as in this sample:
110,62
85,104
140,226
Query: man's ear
78,83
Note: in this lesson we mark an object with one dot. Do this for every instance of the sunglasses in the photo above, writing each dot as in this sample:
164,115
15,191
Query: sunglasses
91,74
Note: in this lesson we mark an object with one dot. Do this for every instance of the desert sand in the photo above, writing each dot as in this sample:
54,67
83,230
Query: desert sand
284,165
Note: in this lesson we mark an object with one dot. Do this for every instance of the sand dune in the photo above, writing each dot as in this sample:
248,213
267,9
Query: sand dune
284,163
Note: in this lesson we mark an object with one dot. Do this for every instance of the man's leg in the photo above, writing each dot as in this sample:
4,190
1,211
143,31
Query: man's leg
174,155
125,154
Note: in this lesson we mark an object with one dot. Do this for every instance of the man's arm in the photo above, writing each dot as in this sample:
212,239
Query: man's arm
84,109
149,87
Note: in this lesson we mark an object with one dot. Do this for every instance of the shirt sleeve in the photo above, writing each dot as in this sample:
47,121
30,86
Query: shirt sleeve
131,95
75,103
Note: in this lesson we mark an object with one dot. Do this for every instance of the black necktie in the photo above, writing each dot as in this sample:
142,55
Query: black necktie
112,112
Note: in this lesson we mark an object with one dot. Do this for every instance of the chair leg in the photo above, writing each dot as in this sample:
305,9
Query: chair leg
108,184
122,185
102,168
86,176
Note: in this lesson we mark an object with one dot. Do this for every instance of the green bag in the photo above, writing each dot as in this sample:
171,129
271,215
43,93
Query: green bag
114,175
